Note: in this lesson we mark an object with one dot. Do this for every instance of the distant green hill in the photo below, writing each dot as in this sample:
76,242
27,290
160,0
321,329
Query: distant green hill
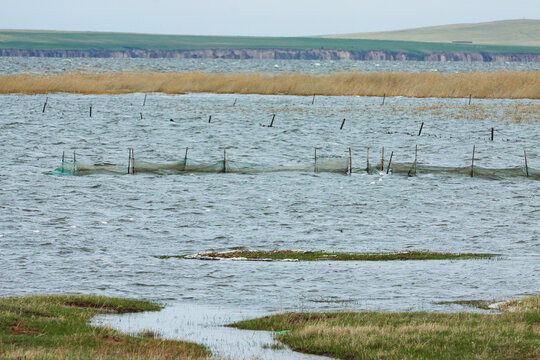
58,40
505,32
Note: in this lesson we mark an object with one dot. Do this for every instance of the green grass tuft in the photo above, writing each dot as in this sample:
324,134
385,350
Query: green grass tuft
513,334
56,326
330,256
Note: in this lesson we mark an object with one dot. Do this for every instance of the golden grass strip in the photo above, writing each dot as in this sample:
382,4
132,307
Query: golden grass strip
504,84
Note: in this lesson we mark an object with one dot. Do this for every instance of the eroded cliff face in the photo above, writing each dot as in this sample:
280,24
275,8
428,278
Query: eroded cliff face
282,54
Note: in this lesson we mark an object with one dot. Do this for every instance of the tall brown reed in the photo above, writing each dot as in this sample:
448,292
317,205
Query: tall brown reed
504,84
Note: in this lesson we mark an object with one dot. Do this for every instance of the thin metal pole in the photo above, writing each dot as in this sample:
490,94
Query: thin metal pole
415,158
315,159
472,163
526,167
350,161
367,160
389,162
382,159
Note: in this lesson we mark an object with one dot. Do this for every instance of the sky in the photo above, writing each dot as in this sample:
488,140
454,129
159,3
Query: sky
255,17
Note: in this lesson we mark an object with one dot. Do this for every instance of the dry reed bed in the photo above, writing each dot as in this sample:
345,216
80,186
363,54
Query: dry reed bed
504,84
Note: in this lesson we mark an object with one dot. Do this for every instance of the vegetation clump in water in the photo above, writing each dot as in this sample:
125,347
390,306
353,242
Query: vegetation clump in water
297,255
513,334
56,327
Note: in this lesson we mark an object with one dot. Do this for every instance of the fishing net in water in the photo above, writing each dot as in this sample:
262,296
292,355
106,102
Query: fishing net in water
76,168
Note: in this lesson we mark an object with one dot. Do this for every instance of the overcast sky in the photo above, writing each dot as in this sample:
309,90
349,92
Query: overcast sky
255,17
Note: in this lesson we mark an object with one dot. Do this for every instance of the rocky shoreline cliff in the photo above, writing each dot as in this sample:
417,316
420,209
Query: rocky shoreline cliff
281,54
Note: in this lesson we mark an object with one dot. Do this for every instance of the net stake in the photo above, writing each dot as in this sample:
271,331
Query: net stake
472,165
342,123
234,103
470,97
272,122
224,160
210,119
313,100
144,102
350,162
132,161
315,160
74,157
491,134
62,156
526,167
141,115
185,156
129,159
90,110
382,159
389,162
383,98
415,158
367,160
45,105
421,127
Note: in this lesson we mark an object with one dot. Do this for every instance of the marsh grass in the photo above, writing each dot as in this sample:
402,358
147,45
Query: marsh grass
56,327
504,84
512,334
330,256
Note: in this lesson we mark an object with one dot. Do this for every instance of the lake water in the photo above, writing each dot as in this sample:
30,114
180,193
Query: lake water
100,233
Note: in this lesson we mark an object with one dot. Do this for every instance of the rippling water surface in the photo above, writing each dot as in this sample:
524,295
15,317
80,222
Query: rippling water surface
99,233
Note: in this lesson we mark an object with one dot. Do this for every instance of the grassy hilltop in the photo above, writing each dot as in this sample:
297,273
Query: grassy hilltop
506,32
59,40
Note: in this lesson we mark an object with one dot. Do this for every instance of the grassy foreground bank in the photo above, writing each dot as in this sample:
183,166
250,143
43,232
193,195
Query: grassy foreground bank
513,334
504,84
56,327
328,256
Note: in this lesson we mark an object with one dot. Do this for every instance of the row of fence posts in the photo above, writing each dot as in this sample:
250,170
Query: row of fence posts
131,161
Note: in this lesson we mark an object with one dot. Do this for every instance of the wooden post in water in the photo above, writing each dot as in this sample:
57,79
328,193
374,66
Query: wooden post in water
129,159
472,162
210,119
415,158
342,123
45,105
367,159
491,134
313,100
382,159
185,157
141,115
272,122
234,103
62,156
526,167
470,97
421,127
350,161
90,110
132,161
315,167
74,157
384,98
144,102
389,162
224,160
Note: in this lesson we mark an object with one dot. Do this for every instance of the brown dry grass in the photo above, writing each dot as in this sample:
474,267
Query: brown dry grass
504,84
